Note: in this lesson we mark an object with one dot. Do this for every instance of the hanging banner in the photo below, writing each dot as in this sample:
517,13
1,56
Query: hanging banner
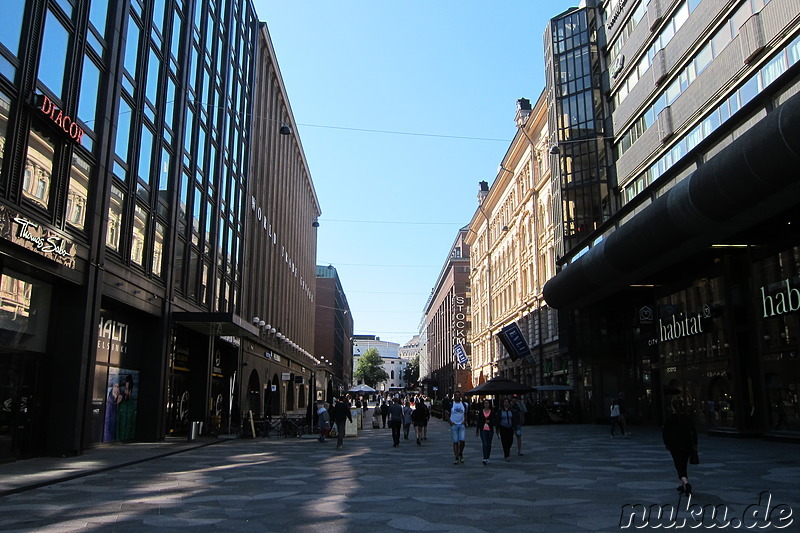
461,355
514,342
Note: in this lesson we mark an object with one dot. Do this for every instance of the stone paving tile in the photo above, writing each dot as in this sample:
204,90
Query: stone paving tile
572,478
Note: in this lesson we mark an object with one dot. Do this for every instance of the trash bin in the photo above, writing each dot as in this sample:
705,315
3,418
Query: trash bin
194,430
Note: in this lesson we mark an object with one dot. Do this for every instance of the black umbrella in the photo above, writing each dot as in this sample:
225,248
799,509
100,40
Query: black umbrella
499,385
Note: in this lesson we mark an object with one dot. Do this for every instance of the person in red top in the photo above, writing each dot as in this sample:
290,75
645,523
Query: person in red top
485,428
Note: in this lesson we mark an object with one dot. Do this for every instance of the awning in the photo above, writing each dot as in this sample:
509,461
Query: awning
215,324
747,183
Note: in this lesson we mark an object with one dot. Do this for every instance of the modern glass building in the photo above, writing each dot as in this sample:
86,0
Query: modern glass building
691,288
124,165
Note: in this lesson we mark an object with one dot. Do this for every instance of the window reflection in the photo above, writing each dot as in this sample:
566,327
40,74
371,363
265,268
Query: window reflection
87,102
123,129
38,169
24,312
115,217
139,235
54,53
158,248
98,11
78,193
12,24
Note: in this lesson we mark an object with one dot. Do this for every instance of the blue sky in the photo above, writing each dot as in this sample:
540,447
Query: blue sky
445,75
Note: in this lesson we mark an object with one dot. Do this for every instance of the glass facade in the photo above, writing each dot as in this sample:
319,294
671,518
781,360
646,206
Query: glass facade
580,192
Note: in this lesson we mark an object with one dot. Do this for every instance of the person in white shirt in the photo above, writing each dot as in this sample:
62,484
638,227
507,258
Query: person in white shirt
458,426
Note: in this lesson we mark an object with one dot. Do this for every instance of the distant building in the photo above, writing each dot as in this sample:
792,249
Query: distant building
334,331
392,363
511,238
447,324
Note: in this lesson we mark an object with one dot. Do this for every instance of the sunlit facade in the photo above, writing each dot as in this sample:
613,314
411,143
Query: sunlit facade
512,239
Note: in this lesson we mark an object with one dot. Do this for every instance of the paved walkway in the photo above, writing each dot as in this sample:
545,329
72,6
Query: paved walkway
571,478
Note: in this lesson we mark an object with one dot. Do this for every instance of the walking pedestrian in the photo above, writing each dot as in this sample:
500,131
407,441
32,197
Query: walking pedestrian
519,406
623,425
427,405
341,414
407,411
395,420
680,438
384,412
485,428
615,418
324,421
458,426
420,418
507,419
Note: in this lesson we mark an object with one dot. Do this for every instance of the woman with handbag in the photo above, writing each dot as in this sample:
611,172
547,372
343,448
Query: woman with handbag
680,438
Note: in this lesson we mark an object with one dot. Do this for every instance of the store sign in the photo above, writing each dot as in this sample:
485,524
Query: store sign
787,300
676,328
33,236
49,109
460,318
112,336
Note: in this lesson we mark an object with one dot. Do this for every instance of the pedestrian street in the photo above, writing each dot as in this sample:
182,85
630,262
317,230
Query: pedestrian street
570,478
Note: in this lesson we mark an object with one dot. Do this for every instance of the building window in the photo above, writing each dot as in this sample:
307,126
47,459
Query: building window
38,169
139,237
158,248
53,59
78,193
115,208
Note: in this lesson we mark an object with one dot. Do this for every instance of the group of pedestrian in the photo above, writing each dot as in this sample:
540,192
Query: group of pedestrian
679,433
339,415
402,413
505,422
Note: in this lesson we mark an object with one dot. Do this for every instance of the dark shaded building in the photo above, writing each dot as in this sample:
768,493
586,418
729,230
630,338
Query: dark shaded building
125,165
692,287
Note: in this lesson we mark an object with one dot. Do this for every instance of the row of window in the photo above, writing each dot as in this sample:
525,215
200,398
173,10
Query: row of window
211,176
718,42
753,85
668,31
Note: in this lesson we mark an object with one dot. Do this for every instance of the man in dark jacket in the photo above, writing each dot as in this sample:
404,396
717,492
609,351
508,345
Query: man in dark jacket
341,413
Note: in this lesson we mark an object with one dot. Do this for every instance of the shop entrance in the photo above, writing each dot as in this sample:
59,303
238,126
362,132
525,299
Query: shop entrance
19,398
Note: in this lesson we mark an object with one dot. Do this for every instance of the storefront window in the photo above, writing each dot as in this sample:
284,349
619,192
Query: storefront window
11,27
38,169
78,193
695,353
777,285
115,208
5,111
24,312
53,58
